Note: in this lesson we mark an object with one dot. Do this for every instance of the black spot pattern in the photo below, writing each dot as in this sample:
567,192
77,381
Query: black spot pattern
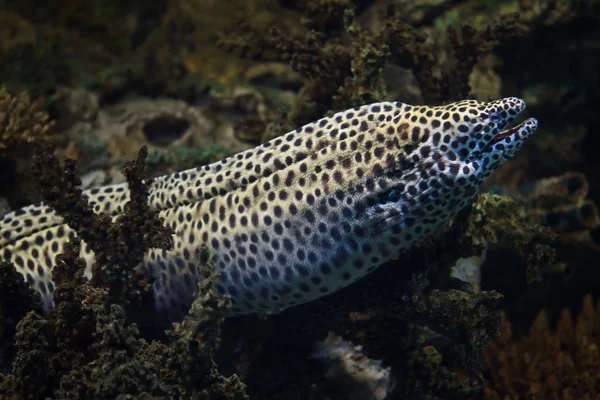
302,215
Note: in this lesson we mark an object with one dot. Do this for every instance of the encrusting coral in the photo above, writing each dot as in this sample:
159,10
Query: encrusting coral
547,364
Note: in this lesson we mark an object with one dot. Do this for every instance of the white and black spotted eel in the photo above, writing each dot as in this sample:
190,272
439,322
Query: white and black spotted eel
304,214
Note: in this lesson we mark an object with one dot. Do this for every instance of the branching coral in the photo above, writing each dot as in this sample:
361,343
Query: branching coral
453,328
87,347
338,73
119,247
197,338
342,67
22,120
547,364
17,299
467,44
500,219
325,16
325,66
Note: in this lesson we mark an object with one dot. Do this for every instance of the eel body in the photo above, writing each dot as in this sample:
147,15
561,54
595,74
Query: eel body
304,214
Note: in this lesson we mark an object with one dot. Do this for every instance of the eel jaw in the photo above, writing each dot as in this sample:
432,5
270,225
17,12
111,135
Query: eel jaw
517,134
507,143
504,134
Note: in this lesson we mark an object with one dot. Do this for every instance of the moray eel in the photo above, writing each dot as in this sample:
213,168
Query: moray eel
305,214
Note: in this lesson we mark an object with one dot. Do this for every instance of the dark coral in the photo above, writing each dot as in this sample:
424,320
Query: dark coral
468,44
120,246
437,352
324,67
337,75
342,67
501,220
325,16
17,300
38,69
87,347
22,121
547,363
197,338
181,367
559,206
410,50
49,346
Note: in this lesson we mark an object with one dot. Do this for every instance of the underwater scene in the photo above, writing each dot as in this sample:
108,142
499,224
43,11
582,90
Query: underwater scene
312,199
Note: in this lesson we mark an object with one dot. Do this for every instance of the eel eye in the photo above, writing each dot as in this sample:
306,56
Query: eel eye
495,117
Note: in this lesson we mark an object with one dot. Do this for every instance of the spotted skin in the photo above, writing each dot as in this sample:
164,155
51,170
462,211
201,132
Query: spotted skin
305,214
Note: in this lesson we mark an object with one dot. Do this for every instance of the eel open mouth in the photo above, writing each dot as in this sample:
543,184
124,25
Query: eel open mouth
505,133
512,138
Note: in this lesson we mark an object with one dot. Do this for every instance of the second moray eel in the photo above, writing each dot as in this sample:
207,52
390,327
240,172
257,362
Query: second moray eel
302,215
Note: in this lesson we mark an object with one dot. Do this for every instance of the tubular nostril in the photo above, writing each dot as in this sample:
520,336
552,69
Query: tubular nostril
533,123
516,104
